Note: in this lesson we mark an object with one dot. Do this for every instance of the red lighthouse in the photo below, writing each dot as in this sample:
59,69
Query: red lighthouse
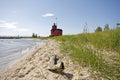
55,31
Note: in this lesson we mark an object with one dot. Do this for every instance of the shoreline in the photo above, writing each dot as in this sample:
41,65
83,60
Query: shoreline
22,60
24,53
35,66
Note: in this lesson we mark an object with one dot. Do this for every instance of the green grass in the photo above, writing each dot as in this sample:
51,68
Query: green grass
76,45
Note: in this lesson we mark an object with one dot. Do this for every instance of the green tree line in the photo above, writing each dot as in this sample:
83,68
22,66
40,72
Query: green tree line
106,28
34,35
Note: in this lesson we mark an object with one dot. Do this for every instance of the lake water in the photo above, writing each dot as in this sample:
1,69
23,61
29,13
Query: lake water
12,50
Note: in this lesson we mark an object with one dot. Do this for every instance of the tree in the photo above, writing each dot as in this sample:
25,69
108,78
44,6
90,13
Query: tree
118,26
36,36
106,27
33,35
98,29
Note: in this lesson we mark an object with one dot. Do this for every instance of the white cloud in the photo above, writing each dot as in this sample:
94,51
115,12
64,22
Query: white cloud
12,26
7,25
48,15
21,29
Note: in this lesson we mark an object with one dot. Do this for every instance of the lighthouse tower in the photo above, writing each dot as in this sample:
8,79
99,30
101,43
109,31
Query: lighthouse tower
85,30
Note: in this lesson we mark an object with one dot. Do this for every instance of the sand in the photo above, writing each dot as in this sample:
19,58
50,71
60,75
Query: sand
35,66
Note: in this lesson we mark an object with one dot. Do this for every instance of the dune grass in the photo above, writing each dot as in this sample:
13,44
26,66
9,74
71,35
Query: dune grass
79,50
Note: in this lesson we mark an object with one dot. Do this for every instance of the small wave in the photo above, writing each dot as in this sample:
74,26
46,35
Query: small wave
16,50
31,48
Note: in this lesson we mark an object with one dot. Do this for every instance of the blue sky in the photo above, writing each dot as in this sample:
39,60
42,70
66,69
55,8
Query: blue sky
23,17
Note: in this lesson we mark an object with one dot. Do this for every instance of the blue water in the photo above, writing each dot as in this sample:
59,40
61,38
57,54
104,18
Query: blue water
12,50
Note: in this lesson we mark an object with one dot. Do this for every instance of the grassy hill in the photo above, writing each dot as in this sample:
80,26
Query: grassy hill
100,51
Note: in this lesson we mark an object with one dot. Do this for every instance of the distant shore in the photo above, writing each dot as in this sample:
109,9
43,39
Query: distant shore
13,37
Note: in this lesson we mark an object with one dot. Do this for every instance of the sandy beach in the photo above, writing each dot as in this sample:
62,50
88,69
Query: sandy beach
35,66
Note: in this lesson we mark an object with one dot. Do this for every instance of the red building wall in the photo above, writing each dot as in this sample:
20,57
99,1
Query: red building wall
55,31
